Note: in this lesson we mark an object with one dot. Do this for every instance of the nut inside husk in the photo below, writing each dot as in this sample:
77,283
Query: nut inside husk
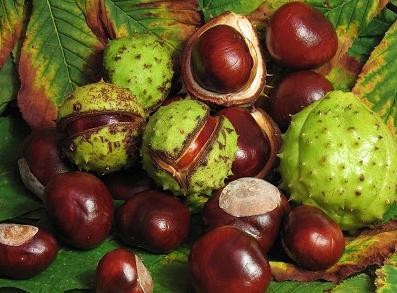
256,82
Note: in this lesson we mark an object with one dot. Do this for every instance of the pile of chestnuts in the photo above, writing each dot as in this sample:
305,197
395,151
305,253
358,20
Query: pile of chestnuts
99,131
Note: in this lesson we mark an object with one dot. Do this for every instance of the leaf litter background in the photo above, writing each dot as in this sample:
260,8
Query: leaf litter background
49,47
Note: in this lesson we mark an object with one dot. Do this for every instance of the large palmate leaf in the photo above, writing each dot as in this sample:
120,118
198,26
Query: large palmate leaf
171,21
386,276
9,83
59,53
369,248
290,286
15,200
375,84
11,23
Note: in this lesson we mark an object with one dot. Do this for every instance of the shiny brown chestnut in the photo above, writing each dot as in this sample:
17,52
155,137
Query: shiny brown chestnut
300,36
312,239
153,220
121,270
222,62
25,250
125,184
296,91
41,159
251,205
258,142
228,260
80,207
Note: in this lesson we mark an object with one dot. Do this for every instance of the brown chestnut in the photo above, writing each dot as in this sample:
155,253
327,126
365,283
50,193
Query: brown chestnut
41,159
154,221
25,250
251,205
258,142
222,62
122,271
296,91
300,36
312,239
80,207
125,184
228,260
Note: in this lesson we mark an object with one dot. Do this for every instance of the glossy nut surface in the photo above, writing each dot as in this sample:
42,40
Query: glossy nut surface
312,239
80,207
121,271
40,159
253,146
296,91
228,260
300,36
251,205
154,221
25,250
221,61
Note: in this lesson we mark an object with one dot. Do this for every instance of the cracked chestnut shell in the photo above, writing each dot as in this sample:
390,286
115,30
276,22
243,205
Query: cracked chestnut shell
222,62
258,142
121,270
188,151
25,250
80,207
41,159
252,205
102,124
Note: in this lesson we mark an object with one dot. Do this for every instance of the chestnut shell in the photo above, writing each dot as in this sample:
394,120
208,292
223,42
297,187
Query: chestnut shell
256,82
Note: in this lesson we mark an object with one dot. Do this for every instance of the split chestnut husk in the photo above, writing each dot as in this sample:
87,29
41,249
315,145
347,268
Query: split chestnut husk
102,123
188,151
222,62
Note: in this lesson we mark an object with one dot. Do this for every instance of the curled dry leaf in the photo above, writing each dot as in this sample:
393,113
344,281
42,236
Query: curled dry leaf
370,247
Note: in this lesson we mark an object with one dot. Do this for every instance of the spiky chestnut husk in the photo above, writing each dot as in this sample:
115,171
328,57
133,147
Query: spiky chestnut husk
102,123
171,133
339,156
142,64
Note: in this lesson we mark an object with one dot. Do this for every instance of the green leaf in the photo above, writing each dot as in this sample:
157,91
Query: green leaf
386,276
9,83
59,53
11,23
171,21
291,286
75,269
358,284
15,200
375,84
391,213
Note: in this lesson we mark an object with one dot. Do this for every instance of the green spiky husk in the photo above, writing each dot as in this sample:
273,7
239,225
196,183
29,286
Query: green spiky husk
167,132
339,156
106,148
142,64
